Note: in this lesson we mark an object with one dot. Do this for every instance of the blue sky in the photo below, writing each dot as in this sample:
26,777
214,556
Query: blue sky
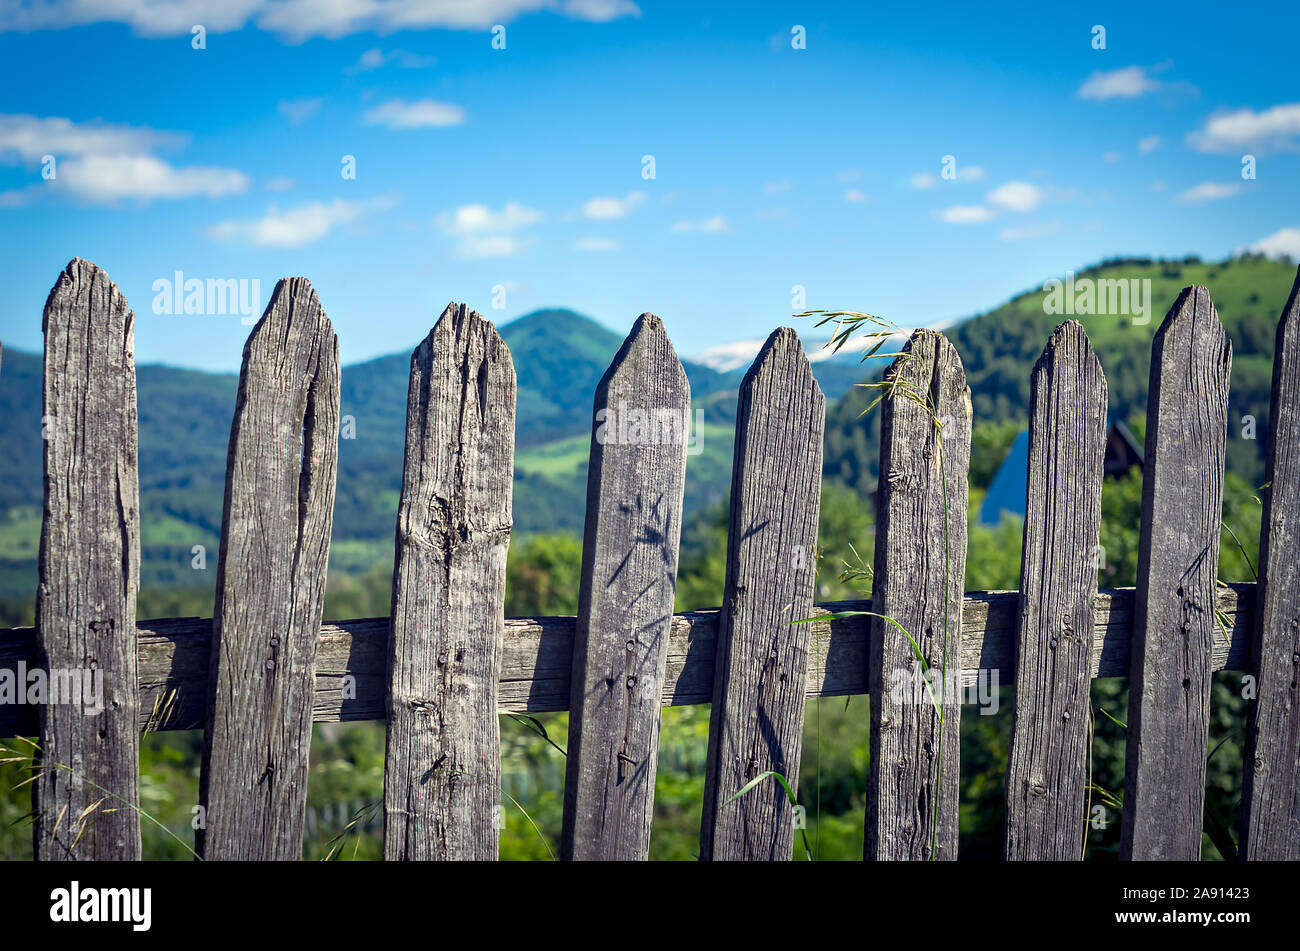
482,170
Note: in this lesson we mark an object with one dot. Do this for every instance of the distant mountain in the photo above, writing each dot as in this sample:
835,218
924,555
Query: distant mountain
185,415
835,371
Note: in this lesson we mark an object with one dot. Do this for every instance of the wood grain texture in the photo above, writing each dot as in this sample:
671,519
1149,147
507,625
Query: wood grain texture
1178,557
352,658
756,721
635,484
1047,770
920,565
87,794
279,508
1270,802
442,768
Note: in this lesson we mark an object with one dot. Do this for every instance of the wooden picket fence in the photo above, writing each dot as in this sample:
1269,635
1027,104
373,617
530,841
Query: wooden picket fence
447,662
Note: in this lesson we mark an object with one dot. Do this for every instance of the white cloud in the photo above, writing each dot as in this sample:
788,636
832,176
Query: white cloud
600,209
970,173
716,223
597,244
771,188
110,178
421,114
29,138
1208,191
1285,241
965,214
298,20
855,196
281,183
298,111
1127,83
297,226
1111,156
376,58
484,233
923,180
1149,144
1017,196
1277,127
480,219
1031,231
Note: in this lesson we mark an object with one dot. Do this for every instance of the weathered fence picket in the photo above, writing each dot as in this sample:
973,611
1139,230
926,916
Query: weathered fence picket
447,661
756,722
275,538
1047,769
86,793
635,484
920,565
1178,562
442,768
1270,802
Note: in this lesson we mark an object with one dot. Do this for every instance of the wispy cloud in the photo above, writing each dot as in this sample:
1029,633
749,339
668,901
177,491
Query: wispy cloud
1284,241
421,114
484,233
855,196
377,58
298,111
1126,83
1208,191
295,227
773,188
1275,128
716,223
1149,144
104,164
964,173
597,244
965,214
604,208
1017,196
298,20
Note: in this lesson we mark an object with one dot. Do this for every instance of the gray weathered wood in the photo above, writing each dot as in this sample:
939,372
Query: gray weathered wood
920,567
756,722
1270,802
442,769
1178,562
86,797
1047,770
279,507
352,657
635,484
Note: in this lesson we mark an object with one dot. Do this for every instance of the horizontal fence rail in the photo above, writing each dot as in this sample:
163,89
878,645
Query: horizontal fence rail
536,655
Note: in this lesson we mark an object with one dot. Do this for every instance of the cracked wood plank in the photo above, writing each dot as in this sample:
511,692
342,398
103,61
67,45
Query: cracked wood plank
1270,802
275,535
756,722
1178,562
635,484
920,567
442,767
87,794
1047,769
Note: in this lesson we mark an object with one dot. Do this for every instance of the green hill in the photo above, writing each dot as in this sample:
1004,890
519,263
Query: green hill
999,350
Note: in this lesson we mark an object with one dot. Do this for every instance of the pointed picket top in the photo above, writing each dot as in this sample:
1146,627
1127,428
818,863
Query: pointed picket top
761,666
1047,767
636,479
1270,802
279,509
1174,627
449,576
919,574
89,568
